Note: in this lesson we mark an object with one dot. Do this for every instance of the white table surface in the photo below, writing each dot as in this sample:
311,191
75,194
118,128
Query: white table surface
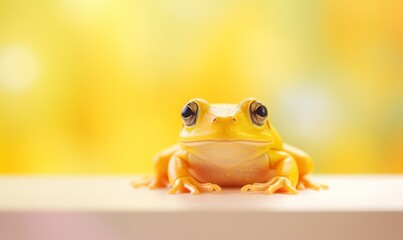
114,193
108,208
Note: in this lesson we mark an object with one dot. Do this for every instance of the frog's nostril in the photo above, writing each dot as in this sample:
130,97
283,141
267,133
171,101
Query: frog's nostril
224,119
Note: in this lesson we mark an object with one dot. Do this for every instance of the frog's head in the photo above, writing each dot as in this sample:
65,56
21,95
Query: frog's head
246,122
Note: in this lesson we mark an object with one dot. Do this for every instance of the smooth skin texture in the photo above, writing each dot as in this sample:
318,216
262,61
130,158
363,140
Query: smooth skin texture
230,145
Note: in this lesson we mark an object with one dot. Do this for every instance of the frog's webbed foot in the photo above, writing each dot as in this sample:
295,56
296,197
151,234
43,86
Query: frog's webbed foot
189,184
275,184
304,183
150,182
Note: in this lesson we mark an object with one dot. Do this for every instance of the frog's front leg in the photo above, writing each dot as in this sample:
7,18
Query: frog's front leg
285,176
181,179
305,167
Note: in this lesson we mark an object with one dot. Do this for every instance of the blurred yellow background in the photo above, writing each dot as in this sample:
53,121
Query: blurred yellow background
97,86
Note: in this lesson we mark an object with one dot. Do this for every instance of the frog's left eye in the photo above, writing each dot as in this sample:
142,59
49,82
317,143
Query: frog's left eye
258,113
189,114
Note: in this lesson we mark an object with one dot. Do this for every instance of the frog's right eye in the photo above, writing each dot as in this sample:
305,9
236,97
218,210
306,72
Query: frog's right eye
258,113
189,114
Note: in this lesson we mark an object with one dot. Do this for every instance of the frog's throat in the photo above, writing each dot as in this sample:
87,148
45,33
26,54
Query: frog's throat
249,142
225,152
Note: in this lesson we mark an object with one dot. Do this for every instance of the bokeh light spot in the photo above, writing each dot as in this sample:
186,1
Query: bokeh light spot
19,68
309,110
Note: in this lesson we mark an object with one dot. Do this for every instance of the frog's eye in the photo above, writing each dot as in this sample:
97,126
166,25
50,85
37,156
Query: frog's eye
258,113
189,114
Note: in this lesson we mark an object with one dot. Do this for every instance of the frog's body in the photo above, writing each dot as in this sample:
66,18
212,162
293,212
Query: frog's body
230,146
229,164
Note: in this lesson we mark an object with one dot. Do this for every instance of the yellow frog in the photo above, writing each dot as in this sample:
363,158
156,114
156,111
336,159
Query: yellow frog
230,145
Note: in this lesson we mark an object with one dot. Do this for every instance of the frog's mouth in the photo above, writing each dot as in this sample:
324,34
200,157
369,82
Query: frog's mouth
204,142
226,151
207,142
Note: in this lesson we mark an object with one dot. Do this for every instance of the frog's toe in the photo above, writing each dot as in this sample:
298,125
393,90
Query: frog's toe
140,183
256,187
150,182
189,184
157,183
309,184
272,186
205,187
305,183
209,187
183,184
248,187
281,183
300,186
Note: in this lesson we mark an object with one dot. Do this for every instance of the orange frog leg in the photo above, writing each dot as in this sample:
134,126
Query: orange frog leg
285,177
181,179
305,167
